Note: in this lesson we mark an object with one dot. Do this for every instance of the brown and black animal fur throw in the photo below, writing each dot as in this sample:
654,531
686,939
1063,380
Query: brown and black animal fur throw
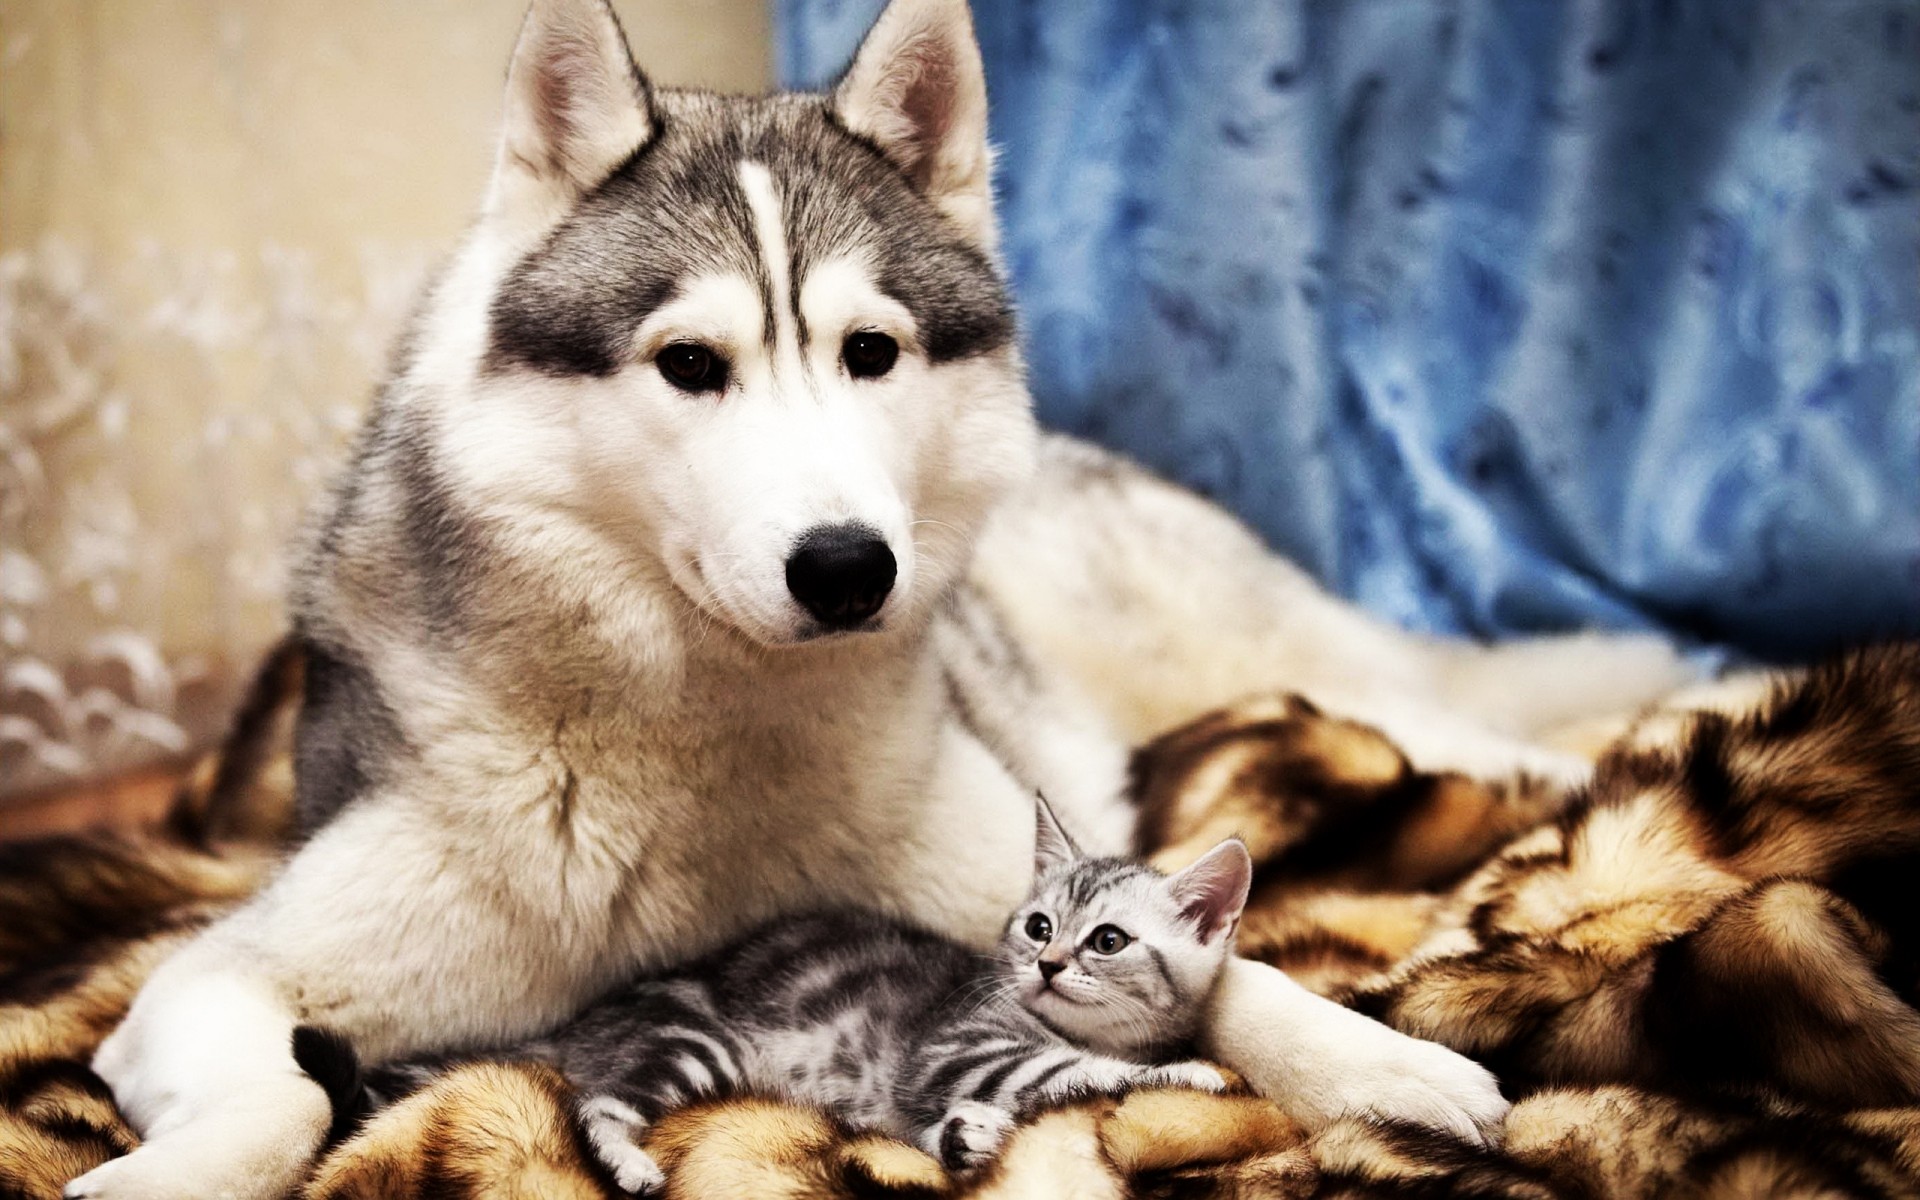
1698,976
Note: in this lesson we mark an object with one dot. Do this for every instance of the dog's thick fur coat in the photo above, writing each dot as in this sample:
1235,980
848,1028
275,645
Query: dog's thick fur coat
1699,976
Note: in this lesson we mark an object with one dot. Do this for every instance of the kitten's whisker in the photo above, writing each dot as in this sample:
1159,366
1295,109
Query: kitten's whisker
1002,991
1135,1017
978,994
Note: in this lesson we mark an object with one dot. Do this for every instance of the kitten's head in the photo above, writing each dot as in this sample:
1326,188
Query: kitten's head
1115,955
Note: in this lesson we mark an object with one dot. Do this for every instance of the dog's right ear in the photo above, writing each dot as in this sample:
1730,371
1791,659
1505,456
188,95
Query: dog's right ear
917,90
576,108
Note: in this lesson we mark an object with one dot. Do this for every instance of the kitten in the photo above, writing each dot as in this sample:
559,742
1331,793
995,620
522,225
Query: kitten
1097,986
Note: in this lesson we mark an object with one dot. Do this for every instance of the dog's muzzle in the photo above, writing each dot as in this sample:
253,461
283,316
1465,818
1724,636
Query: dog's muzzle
841,574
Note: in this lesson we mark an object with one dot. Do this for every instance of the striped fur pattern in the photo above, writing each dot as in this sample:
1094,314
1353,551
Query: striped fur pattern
1696,975
1096,989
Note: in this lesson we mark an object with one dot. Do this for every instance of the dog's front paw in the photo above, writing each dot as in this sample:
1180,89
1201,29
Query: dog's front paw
98,1184
1401,1078
1320,1061
182,1166
970,1135
256,1144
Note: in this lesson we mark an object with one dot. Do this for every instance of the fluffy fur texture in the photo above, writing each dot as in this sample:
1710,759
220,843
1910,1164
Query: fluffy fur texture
1698,974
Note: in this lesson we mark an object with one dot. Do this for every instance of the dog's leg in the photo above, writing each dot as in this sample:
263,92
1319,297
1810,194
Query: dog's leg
1319,1061
381,929
204,1066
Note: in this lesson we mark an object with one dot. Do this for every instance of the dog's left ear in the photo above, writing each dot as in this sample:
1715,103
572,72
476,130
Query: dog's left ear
917,89
576,108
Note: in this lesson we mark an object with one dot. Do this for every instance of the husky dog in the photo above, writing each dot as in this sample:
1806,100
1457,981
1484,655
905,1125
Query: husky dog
699,563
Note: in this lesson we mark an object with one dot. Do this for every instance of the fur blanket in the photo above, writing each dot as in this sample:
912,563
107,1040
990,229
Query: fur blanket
1698,976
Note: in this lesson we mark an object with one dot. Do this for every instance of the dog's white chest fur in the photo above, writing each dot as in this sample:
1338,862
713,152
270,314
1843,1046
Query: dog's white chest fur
630,837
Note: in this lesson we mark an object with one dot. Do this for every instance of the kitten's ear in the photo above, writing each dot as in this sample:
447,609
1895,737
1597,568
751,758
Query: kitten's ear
918,91
576,108
1212,892
1051,845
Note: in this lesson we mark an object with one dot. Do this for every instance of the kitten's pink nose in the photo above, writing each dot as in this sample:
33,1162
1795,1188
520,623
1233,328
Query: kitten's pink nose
1049,968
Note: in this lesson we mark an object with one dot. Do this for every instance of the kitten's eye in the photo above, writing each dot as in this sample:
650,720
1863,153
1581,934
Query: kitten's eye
1109,940
869,355
1039,928
692,367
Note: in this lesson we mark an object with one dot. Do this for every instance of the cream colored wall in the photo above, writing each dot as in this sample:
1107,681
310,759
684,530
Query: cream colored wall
213,215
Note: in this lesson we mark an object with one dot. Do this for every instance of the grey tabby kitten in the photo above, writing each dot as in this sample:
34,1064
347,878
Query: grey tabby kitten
1096,986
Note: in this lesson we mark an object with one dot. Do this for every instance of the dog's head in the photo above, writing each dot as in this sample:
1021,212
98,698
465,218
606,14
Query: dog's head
761,343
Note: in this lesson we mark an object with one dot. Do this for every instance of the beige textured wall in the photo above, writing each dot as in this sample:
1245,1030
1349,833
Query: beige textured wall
213,214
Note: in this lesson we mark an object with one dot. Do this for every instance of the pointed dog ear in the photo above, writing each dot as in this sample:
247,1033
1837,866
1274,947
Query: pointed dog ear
1212,892
918,91
576,108
1051,845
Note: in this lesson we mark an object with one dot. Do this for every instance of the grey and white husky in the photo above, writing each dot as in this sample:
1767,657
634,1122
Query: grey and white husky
699,563
1097,986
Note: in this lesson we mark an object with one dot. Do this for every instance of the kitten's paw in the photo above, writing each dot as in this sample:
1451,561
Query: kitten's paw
970,1135
634,1170
611,1127
1192,1074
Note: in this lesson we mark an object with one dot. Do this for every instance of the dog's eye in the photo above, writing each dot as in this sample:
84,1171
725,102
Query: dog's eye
692,367
1109,940
869,355
1039,928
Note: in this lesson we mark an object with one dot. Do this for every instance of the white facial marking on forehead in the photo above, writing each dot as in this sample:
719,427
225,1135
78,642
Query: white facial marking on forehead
840,293
721,309
770,230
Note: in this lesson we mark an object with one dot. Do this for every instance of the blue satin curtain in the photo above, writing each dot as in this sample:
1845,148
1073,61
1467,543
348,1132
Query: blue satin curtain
1501,315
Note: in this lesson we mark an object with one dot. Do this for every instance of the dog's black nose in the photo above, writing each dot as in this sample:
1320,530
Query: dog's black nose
1049,968
841,574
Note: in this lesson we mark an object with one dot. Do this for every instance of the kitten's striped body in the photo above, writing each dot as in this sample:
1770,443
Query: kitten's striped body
890,1027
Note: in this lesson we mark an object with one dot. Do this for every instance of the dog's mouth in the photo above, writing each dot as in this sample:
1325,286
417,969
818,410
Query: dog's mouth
769,619
814,631
690,575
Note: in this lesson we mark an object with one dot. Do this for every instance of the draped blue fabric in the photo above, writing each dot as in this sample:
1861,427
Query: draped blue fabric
1500,315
